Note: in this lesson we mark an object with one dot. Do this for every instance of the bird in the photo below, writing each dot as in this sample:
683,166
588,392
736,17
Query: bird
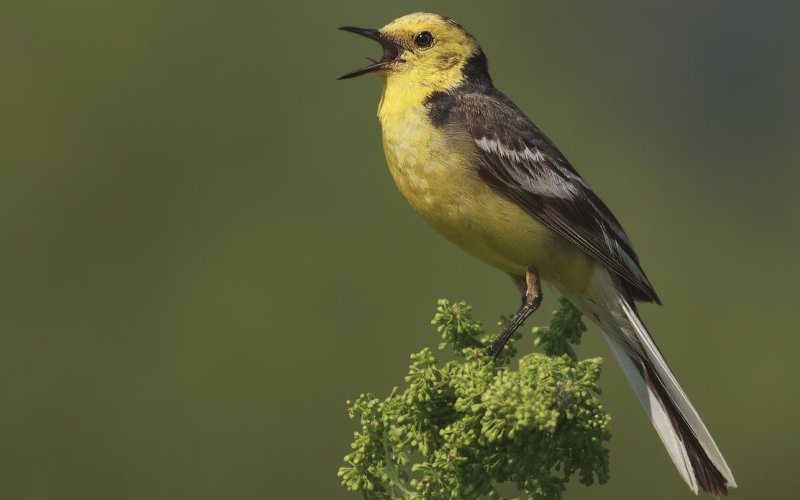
482,174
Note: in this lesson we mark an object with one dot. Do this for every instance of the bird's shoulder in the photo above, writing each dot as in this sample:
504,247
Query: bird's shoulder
488,115
480,107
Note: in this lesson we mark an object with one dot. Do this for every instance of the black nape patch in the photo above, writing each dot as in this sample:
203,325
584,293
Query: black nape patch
476,69
439,105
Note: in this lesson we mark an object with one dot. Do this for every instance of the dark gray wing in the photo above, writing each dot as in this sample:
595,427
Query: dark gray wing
520,162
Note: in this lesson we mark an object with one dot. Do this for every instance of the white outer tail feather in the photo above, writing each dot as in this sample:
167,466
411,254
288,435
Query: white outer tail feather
629,340
678,396
657,413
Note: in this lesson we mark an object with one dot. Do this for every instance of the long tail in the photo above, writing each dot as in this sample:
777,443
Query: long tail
685,437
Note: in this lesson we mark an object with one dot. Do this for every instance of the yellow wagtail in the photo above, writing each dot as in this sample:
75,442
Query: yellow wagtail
484,176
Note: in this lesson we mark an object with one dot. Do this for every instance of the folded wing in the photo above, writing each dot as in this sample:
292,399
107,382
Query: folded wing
520,162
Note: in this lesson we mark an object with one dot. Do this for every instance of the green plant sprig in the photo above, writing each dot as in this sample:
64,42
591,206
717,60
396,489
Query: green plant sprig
459,429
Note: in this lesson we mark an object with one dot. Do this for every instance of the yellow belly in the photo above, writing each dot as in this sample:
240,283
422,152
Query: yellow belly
433,169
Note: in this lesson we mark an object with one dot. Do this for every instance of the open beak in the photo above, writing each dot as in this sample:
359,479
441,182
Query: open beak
391,51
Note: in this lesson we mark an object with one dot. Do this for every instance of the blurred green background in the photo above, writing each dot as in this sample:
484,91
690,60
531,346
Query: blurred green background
204,256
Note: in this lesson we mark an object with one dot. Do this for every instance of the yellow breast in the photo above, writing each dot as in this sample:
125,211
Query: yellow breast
434,168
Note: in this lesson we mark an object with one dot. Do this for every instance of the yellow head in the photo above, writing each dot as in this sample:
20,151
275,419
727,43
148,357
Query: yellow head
425,50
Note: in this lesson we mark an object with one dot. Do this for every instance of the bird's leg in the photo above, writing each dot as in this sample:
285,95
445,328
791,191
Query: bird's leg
530,302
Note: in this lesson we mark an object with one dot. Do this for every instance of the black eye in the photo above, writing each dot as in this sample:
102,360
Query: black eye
424,39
